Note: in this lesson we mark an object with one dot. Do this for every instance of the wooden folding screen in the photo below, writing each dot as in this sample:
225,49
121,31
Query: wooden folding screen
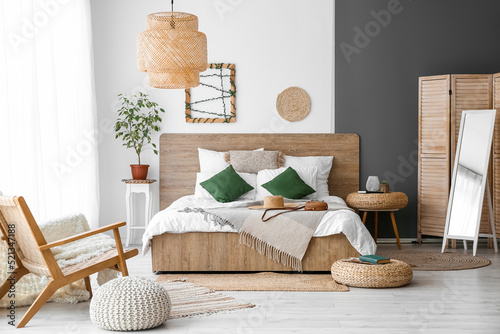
441,102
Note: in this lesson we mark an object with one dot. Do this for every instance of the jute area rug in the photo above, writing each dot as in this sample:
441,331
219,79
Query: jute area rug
190,299
435,261
261,282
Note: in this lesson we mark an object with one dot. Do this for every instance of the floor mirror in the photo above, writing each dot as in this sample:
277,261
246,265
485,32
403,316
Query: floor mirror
469,181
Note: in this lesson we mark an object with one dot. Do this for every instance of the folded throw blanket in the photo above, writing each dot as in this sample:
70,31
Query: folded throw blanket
284,239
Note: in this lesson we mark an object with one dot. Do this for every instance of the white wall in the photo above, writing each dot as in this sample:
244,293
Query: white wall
275,44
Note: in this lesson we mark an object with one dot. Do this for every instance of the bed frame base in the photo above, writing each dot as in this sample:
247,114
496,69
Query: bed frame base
222,251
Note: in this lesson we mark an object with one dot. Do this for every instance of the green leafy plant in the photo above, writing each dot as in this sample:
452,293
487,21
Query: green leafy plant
383,182
138,118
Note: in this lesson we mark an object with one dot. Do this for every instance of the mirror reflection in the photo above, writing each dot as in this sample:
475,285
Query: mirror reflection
467,202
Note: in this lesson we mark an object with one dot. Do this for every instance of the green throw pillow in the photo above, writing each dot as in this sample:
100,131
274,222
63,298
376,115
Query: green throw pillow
289,184
226,186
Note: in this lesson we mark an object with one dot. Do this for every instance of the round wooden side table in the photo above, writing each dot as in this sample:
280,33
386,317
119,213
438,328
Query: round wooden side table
389,202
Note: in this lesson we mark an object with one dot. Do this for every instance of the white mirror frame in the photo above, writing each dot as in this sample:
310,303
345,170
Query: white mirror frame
483,173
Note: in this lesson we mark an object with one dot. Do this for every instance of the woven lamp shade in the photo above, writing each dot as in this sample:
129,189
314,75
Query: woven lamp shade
172,51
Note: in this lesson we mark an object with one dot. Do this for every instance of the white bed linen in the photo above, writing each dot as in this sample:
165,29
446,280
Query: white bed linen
172,221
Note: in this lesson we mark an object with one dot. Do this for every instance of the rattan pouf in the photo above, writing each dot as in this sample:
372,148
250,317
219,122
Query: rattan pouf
130,304
389,275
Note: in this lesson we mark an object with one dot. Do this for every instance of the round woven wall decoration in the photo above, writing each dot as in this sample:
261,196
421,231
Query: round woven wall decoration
293,104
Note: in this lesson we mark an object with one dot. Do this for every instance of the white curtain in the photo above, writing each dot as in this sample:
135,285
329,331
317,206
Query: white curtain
48,132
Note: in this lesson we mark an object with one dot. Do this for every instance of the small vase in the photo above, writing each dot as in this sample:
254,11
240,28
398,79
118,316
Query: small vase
372,184
139,172
384,187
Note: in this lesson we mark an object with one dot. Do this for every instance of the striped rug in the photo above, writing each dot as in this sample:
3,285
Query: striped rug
189,299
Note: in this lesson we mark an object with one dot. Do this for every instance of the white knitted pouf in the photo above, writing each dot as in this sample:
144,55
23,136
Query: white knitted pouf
130,304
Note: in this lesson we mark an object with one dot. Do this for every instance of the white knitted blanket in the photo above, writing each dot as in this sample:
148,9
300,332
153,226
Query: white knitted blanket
30,286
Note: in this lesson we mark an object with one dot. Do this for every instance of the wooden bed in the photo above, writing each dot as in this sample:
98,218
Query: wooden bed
214,251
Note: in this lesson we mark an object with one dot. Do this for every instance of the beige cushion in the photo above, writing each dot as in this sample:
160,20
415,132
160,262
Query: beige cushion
213,161
255,161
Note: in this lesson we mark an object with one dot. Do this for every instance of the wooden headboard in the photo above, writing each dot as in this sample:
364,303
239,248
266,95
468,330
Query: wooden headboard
179,157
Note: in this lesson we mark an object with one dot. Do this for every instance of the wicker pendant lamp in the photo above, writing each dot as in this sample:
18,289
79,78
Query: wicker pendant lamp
172,50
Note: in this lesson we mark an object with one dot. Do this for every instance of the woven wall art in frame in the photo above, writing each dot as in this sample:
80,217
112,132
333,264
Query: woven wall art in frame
214,100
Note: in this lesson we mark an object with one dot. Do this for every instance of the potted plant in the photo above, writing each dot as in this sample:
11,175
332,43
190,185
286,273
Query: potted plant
384,186
138,118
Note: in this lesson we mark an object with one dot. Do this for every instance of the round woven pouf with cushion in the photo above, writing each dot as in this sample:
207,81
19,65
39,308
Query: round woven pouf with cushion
389,275
130,304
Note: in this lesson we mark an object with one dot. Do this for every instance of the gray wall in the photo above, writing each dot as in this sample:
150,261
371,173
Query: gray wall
376,91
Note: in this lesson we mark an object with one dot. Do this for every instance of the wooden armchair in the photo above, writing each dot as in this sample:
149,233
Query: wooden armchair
34,255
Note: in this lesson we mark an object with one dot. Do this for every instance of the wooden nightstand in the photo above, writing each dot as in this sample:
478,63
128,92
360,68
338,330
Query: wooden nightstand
389,202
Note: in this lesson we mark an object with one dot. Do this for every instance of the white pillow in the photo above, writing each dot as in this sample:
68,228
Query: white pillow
307,174
202,193
324,165
213,161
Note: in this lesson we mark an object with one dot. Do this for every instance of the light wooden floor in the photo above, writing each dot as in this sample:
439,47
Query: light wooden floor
466,301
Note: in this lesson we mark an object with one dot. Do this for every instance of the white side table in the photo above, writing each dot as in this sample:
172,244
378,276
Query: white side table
137,187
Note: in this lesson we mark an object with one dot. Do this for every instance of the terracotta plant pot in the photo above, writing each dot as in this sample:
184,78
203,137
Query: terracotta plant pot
139,172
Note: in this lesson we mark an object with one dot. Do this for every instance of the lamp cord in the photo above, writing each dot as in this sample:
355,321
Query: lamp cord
172,22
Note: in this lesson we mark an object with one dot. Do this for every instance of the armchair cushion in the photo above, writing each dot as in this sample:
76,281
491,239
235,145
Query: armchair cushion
30,286
76,251
64,227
